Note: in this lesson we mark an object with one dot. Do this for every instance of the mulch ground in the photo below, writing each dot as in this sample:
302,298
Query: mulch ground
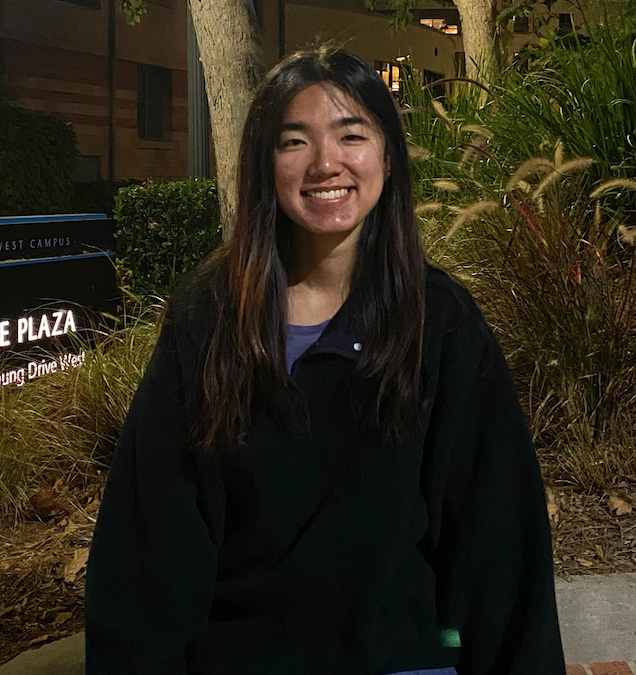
43,559
42,568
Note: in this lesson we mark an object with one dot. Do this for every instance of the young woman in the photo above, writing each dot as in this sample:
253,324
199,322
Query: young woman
325,469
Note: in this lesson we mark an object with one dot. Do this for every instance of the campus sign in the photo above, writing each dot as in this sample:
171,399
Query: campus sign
30,329
58,279
28,237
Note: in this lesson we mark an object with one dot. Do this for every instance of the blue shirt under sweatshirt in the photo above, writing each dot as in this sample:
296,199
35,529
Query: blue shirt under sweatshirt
300,338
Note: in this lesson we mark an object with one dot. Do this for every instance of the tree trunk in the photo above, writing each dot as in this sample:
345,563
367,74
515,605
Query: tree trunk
234,66
478,31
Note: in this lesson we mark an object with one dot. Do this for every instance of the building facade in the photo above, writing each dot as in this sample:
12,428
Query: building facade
127,91
123,89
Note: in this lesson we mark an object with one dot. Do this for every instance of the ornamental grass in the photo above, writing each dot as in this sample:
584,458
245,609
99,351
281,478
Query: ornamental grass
63,426
527,193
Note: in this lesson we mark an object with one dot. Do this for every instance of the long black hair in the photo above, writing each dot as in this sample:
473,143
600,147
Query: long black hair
246,357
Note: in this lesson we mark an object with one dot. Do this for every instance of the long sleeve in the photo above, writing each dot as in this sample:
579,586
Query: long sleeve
491,544
153,559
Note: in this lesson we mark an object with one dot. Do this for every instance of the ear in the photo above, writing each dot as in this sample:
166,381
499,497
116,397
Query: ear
387,166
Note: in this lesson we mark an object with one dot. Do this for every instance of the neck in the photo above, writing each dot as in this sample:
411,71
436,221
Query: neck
318,278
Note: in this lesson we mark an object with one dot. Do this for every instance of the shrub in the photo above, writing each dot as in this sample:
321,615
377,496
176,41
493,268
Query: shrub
163,230
38,160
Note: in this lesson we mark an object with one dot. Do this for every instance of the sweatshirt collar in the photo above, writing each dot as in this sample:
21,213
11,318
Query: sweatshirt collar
340,337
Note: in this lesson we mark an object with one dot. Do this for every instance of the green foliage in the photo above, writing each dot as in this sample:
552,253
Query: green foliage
163,230
133,10
402,14
582,93
38,161
65,425
518,8
446,137
527,194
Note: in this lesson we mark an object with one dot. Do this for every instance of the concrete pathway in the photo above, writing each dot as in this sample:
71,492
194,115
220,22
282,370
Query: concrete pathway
597,616
64,657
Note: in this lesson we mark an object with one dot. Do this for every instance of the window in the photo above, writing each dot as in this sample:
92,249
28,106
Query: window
440,24
92,4
565,21
390,73
88,168
520,24
154,101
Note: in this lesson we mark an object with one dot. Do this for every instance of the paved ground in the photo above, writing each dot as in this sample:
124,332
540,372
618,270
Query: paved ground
597,616
64,657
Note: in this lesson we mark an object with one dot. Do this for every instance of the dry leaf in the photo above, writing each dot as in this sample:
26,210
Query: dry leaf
599,551
38,640
45,504
627,234
616,503
93,505
584,562
75,566
62,617
553,507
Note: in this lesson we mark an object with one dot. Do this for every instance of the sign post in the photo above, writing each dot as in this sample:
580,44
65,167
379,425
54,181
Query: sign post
57,275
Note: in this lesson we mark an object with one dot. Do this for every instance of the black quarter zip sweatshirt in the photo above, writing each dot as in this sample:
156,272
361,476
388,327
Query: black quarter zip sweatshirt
327,553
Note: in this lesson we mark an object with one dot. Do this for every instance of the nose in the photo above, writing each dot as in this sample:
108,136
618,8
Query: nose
326,161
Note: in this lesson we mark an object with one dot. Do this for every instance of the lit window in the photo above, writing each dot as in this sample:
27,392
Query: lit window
395,78
434,23
390,74
382,69
440,24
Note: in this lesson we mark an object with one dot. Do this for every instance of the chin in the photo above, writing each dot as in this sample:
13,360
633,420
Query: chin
324,230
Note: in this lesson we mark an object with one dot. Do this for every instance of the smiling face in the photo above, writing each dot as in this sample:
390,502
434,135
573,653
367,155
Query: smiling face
330,163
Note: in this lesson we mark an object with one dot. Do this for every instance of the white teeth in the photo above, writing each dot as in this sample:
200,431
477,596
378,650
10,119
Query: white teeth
331,194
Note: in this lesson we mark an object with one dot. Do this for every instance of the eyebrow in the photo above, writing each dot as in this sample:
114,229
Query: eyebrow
342,122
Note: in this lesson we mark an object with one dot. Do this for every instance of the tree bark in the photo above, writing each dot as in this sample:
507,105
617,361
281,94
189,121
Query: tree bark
234,67
478,31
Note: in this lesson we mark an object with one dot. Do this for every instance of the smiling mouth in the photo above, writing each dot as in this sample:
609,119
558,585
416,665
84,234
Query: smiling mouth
326,194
